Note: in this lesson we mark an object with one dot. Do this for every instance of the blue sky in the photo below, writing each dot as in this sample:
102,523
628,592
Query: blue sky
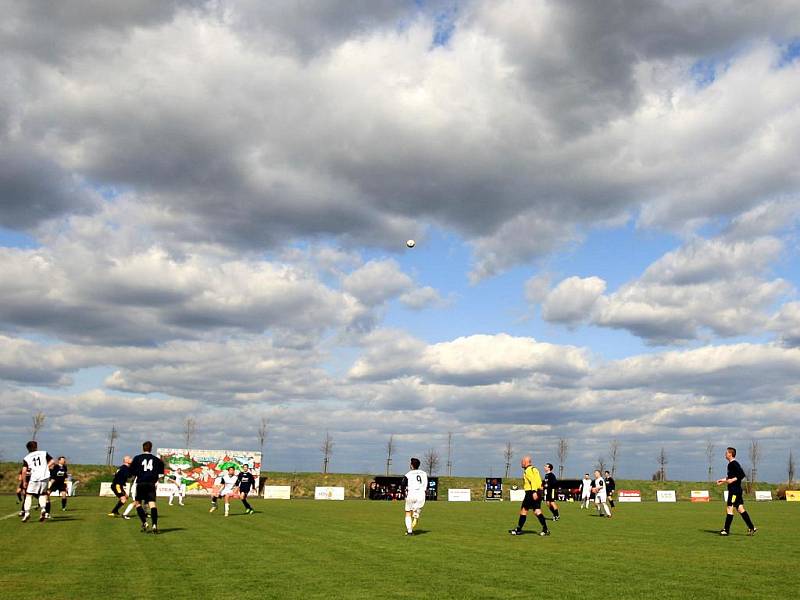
604,199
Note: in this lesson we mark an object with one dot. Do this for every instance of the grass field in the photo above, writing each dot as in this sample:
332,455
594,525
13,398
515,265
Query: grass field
356,549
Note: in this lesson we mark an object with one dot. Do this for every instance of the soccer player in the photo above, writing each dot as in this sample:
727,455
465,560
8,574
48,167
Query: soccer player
550,489
532,484
58,480
146,468
735,494
22,485
599,490
611,485
586,490
245,482
415,484
36,465
118,486
180,488
226,482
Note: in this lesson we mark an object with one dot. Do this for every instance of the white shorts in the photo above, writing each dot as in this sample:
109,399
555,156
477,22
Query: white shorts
586,496
37,488
600,499
224,493
415,503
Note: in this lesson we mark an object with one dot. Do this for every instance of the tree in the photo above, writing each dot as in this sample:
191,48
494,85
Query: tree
601,463
389,452
754,452
613,450
263,428
189,431
790,468
327,450
563,448
449,453
662,464
38,423
431,461
508,454
710,449
112,436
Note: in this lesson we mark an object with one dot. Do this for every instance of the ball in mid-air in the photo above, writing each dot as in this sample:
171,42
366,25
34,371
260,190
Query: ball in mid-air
411,243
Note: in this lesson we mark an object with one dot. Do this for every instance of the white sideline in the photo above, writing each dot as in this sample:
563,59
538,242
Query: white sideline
9,516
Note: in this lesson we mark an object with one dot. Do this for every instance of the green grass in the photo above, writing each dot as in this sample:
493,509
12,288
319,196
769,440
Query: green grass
356,549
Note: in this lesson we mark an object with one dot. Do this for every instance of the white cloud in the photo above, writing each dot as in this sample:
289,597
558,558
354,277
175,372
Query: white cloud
572,300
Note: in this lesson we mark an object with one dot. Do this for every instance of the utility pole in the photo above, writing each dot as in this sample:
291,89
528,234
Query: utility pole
110,450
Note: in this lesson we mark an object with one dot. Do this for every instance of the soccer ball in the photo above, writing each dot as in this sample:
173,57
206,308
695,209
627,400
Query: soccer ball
411,243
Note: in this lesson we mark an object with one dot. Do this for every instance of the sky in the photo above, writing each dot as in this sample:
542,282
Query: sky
204,207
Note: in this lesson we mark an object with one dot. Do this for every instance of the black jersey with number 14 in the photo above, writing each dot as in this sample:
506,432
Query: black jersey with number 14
147,468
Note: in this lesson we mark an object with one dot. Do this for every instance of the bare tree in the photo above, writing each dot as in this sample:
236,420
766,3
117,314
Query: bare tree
754,452
189,431
431,461
38,423
790,467
710,449
327,450
389,452
662,464
112,437
613,451
601,463
563,448
508,454
263,429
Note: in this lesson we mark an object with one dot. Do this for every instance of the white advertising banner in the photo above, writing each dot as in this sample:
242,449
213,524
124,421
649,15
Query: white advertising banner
516,495
700,496
765,495
629,496
277,492
164,490
460,495
328,493
666,496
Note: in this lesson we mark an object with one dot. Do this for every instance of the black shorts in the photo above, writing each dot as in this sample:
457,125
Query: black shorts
244,491
550,495
58,486
145,492
529,503
735,499
119,490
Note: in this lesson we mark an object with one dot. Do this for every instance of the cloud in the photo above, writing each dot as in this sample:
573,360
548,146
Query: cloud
572,300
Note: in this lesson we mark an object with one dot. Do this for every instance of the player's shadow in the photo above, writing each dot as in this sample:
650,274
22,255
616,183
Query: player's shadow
420,532
170,530
712,531
63,519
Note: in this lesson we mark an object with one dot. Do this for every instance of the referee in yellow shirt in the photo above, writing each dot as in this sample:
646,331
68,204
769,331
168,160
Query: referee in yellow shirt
533,497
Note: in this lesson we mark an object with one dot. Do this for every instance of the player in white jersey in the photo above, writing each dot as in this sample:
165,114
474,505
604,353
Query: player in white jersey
599,489
180,488
586,490
416,484
226,484
36,465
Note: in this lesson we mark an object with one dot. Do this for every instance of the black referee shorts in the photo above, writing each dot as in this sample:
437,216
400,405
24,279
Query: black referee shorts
531,503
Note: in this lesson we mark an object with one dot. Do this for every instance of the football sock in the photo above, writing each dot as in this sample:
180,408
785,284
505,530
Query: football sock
543,521
142,515
409,526
63,503
554,511
27,503
611,502
608,510
227,508
128,509
115,510
154,516
246,504
521,522
747,520
728,521
46,505
19,497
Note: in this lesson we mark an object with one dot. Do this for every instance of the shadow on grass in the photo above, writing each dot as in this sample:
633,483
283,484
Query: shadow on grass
63,519
419,532
169,530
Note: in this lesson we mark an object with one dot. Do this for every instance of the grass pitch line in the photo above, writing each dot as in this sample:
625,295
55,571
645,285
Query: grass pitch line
9,516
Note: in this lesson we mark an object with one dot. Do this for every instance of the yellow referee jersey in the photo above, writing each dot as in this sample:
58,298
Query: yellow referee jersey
531,478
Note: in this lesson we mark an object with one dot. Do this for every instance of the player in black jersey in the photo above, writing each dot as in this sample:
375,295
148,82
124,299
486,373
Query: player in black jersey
147,468
58,480
246,482
611,485
735,493
550,484
119,487
23,478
